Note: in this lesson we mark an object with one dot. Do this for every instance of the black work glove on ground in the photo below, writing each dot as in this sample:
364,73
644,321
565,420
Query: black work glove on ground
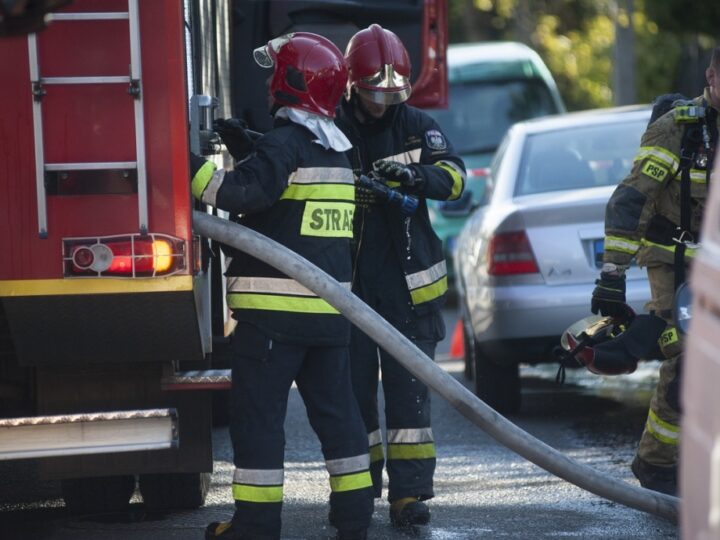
608,298
196,163
397,172
234,133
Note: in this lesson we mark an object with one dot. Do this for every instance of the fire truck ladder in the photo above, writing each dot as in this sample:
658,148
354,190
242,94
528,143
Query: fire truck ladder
134,89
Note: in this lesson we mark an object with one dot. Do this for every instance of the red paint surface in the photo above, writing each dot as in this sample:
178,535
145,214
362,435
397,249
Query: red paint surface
92,123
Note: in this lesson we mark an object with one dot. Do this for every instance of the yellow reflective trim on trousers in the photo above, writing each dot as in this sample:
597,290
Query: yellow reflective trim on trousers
429,292
322,192
328,219
202,179
350,482
257,494
689,252
411,451
663,431
457,179
276,302
376,453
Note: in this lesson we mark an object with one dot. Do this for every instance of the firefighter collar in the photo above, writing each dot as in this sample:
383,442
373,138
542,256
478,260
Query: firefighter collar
327,133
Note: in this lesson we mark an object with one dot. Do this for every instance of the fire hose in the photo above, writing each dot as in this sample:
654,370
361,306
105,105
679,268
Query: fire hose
436,378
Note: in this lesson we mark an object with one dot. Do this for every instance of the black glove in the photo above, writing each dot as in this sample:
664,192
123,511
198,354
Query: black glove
236,136
608,298
196,163
397,172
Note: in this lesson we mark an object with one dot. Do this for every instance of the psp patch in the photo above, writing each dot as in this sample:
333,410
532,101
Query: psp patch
435,140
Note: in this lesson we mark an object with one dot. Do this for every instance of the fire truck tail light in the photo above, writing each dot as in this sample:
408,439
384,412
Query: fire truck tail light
124,256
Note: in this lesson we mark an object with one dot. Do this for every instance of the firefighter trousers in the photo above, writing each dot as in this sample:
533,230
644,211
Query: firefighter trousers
410,443
262,375
660,438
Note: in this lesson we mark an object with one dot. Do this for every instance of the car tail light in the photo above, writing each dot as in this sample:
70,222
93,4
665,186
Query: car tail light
510,254
132,255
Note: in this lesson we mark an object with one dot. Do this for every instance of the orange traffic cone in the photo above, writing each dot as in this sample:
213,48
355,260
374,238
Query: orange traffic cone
457,344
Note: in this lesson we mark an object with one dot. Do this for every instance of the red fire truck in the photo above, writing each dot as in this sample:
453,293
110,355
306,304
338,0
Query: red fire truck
109,305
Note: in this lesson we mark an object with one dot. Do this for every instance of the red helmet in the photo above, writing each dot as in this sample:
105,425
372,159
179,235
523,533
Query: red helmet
379,66
310,71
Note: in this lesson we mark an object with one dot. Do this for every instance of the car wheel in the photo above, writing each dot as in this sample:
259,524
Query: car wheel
496,384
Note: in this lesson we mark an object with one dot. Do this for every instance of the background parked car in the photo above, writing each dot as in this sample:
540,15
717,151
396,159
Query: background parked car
527,260
492,86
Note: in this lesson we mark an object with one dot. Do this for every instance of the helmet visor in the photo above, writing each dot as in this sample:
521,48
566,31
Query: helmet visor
386,87
264,55
384,97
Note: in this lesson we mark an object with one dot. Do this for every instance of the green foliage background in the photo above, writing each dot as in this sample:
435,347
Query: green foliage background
576,38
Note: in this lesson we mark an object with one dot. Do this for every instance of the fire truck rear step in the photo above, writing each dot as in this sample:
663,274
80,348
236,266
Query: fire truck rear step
88,433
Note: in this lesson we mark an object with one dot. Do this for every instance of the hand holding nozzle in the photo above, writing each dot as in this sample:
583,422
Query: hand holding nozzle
405,203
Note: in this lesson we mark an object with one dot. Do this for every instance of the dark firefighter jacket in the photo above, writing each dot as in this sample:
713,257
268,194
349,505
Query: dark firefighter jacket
643,214
297,193
382,232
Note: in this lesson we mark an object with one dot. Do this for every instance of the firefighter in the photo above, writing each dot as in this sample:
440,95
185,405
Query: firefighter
296,187
399,269
655,215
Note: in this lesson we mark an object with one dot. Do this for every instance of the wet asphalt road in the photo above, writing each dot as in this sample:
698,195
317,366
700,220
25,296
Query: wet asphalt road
483,490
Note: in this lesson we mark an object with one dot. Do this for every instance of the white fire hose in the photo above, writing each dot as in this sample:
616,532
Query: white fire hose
415,361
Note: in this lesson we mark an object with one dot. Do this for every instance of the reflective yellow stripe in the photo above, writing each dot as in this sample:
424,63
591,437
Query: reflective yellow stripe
659,154
663,431
689,252
257,494
350,482
429,292
322,192
411,451
392,184
624,245
376,453
276,302
406,158
328,219
202,179
696,175
60,287
458,182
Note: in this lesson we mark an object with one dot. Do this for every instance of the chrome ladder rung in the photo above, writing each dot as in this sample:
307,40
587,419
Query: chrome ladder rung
110,79
90,16
100,166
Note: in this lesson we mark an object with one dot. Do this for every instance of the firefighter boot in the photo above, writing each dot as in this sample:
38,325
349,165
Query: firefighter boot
655,477
409,511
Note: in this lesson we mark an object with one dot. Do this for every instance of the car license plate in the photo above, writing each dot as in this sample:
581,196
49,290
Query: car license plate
598,249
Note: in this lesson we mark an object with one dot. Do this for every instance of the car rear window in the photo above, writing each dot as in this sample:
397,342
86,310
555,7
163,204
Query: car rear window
481,112
579,157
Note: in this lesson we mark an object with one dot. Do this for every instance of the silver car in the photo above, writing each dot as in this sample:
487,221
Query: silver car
528,258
